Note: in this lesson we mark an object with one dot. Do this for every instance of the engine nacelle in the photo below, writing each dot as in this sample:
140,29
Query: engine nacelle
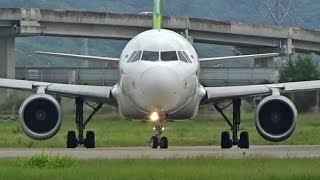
276,118
40,116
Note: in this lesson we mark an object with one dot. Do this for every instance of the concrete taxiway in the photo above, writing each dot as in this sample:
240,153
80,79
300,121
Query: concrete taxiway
173,152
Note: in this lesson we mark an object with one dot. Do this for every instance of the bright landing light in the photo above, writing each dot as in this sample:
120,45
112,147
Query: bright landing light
154,116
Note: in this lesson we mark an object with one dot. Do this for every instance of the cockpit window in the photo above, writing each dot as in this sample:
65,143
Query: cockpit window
157,56
169,56
182,57
137,56
186,55
150,56
132,56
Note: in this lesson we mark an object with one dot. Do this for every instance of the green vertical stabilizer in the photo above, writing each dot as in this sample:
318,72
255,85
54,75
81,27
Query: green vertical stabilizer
157,14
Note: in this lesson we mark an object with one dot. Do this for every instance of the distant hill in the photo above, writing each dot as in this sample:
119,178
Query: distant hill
228,10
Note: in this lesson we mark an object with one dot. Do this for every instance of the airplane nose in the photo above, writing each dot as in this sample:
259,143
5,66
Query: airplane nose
159,87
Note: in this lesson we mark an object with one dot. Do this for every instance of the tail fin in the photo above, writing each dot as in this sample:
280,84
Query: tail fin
157,14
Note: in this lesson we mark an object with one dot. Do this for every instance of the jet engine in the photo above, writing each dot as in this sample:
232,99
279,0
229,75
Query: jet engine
40,116
276,118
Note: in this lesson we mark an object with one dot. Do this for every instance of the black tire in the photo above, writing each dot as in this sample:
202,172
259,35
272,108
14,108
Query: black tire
72,141
154,142
90,140
244,140
226,142
164,143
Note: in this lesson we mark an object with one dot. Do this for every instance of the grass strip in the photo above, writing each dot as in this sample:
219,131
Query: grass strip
190,168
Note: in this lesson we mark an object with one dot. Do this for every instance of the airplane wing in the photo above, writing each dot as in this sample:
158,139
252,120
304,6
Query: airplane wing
212,59
76,56
101,94
217,94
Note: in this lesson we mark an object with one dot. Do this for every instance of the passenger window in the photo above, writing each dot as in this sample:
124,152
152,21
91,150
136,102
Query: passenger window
169,56
150,56
132,56
186,55
137,56
182,57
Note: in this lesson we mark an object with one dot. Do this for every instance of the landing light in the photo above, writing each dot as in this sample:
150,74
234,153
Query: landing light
154,128
154,116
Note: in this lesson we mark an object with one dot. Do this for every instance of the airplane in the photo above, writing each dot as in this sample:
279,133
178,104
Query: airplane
158,80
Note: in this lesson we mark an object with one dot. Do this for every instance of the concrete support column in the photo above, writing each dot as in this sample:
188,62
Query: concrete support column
7,58
185,34
7,62
287,47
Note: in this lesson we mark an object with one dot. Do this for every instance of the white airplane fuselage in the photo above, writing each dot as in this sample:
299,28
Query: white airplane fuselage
149,84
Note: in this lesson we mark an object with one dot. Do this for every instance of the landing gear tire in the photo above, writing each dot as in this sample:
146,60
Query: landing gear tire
164,143
72,141
154,142
90,140
244,140
226,142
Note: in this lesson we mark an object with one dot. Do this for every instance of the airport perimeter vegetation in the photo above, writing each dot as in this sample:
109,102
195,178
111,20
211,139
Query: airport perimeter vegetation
112,131
52,168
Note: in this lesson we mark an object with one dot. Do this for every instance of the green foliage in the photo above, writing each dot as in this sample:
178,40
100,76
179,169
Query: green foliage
265,82
84,83
14,100
44,161
301,69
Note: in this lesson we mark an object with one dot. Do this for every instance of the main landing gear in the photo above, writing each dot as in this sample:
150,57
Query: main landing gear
157,140
89,140
226,141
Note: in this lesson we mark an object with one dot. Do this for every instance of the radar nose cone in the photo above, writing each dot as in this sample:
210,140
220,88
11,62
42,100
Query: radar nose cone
160,88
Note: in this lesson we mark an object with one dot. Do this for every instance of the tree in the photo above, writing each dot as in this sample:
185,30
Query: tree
301,69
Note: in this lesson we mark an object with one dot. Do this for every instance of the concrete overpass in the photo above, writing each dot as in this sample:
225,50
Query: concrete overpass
20,22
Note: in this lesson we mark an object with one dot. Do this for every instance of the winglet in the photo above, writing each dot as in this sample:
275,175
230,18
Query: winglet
157,14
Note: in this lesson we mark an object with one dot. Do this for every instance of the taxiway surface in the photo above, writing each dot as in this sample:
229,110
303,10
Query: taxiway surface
173,152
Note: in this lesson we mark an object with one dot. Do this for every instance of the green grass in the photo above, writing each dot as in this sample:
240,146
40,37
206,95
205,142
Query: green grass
44,161
205,130
198,168
113,132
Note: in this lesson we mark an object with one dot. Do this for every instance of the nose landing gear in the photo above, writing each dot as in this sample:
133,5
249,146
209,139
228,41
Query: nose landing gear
157,140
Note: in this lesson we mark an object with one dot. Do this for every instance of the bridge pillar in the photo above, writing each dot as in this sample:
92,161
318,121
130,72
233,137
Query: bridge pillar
7,62
7,57
287,47
185,34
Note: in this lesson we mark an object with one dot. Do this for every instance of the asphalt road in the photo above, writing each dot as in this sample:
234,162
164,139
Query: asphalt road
172,152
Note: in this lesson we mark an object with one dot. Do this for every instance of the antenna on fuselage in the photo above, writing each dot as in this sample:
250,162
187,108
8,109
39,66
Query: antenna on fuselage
157,14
